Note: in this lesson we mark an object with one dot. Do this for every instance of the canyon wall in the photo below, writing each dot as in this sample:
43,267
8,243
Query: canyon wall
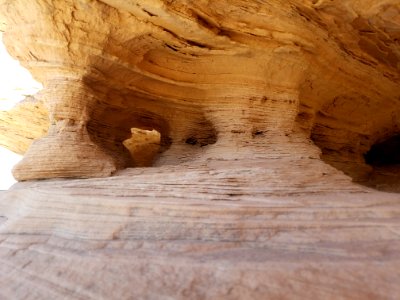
204,150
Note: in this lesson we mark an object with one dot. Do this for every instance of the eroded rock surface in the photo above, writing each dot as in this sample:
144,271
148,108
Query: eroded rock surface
208,74
256,116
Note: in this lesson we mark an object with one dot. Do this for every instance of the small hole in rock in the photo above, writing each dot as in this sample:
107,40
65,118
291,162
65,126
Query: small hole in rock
257,132
191,141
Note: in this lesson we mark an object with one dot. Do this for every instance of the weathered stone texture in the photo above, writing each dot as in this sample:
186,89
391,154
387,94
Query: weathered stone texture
256,117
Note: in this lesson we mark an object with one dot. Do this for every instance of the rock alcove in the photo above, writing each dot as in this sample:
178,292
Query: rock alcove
384,158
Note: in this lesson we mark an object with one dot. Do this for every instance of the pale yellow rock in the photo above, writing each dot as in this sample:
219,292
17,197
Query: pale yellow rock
144,146
27,121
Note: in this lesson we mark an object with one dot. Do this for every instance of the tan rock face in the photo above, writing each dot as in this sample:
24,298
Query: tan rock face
206,76
247,111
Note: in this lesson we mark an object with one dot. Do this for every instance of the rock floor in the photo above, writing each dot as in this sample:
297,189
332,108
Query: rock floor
215,231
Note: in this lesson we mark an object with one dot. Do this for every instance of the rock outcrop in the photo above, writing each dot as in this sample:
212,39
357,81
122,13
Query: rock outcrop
259,119
20,126
210,74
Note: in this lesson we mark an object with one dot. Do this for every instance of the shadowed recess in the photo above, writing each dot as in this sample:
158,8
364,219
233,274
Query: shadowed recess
384,157
384,153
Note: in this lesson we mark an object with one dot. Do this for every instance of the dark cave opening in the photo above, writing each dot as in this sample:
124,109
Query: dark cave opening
384,158
385,153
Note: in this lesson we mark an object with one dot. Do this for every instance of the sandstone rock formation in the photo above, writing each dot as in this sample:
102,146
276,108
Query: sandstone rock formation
257,118
27,121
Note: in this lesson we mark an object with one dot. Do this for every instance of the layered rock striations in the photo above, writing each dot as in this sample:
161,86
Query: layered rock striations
257,117
210,74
